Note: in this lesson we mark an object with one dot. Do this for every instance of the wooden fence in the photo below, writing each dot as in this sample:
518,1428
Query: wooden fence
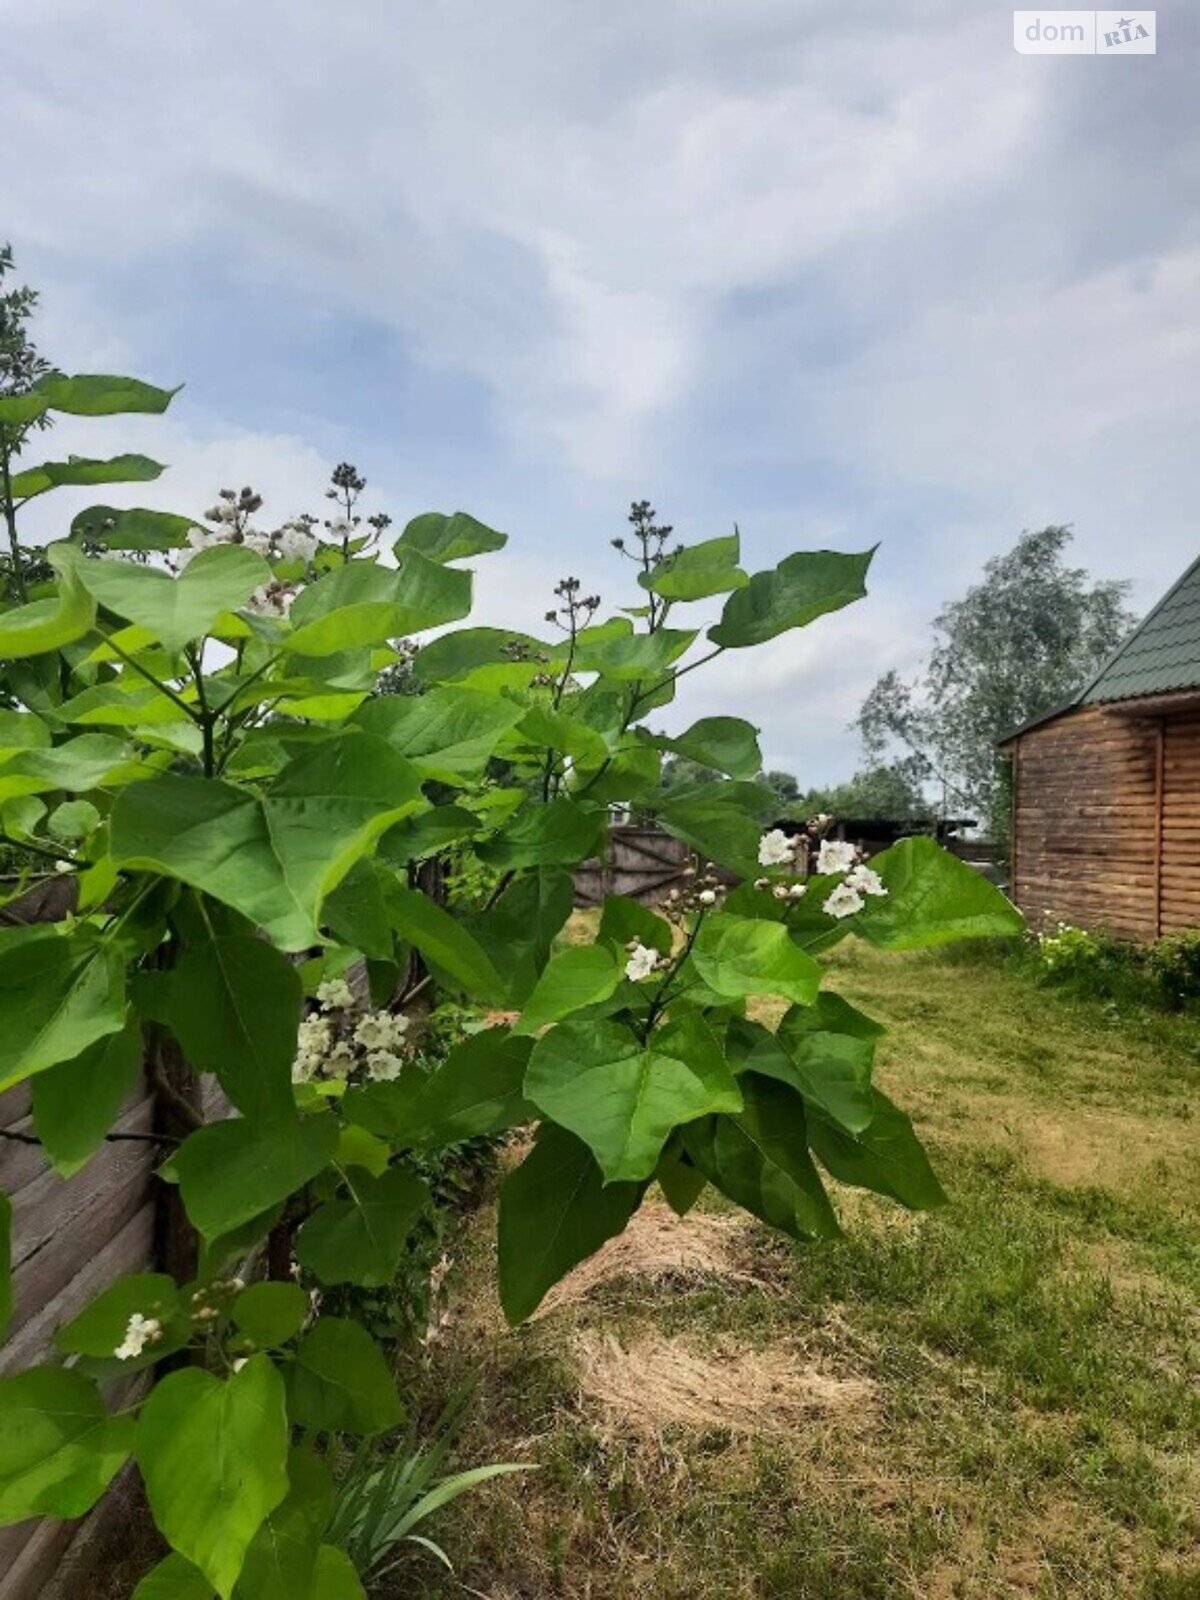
642,862
645,863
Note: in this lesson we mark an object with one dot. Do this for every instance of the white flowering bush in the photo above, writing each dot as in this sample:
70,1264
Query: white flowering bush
193,736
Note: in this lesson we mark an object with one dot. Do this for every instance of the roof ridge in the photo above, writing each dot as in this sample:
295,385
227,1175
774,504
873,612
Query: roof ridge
1127,643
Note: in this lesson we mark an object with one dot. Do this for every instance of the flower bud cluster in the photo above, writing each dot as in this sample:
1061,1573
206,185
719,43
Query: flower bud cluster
705,892
293,543
343,1040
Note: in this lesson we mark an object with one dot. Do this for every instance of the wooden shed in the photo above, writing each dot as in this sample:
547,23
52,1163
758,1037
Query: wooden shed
1106,790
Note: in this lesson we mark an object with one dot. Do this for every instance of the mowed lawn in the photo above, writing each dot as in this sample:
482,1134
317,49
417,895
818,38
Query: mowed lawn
998,1399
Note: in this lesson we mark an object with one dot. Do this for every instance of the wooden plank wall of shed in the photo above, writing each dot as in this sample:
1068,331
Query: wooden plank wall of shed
1179,904
70,1238
1084,837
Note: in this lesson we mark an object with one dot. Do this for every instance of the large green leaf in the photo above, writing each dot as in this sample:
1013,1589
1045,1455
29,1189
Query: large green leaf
617,652
449,733
100,1327
273,858
831,1070
445,943
428,833
230,1172
213,1457
800,589
624,1098
76,1103
334,1577
933,898
726,743
697,571
132,528
59,993
519,930
174,1579
546,728
559,833
576,977
92,394
340,1382
125,703
360,1238
361,604
269,1314
719,820
59,1448
88,761
235,1006
468,650
623,919
79,471
739,956
555,1211
449,538
760,1159
886,1156
18,409
478,1090
356,912
43,625
280,1563
179,610
21,730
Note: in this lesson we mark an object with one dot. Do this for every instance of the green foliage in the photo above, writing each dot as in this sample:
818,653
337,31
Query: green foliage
1164,973
213,1455
252,845
1022,641
388,1489
59,1448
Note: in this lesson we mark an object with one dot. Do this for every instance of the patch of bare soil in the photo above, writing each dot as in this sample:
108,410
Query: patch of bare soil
662,1248
652,1382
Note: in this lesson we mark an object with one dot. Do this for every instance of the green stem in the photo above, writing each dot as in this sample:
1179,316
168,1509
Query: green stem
659,1003
10,519
163,688
674,676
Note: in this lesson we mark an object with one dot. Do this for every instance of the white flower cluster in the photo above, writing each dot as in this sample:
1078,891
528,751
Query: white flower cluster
342,1040
776,849
642,961
779,849
834,857
293,542
139,1332
849,896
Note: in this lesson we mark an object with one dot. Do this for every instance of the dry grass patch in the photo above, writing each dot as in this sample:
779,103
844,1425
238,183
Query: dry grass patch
660,1248
650,1383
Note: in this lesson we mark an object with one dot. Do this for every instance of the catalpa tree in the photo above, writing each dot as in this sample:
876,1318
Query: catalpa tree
190,731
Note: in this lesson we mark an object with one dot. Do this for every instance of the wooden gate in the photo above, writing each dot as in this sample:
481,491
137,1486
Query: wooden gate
640,861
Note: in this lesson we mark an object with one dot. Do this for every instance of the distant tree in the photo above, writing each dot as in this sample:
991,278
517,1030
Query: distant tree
1023,640
20,368
784,785
679,771
888,792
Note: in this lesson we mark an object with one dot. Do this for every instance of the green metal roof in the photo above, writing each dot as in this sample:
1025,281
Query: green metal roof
1161,655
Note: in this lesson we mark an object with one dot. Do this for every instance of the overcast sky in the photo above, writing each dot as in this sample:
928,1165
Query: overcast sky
844,273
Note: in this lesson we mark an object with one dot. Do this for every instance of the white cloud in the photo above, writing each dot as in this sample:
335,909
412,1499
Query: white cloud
683,242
